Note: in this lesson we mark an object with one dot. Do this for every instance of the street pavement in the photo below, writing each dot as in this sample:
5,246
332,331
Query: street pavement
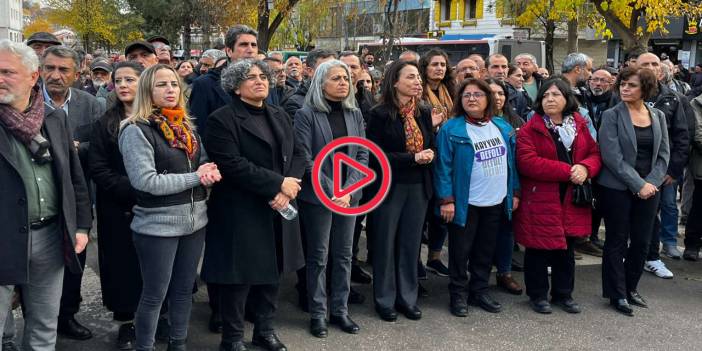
671,323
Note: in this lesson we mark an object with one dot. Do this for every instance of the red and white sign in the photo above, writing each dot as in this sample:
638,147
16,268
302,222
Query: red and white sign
369,176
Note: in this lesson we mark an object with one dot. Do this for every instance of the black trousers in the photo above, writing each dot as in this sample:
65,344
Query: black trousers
693,228
471,249
596,211
628,225
70,297
562,263
233,304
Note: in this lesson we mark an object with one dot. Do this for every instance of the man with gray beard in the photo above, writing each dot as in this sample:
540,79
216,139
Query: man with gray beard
293,69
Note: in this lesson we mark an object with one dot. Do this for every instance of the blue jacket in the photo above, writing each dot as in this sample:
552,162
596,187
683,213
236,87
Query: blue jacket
452,169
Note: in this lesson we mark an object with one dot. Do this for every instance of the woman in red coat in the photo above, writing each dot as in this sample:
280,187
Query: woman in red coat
555,152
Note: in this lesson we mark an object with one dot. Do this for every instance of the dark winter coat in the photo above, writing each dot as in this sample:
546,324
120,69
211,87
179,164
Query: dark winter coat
247,241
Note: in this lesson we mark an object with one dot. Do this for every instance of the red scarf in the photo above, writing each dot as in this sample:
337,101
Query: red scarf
478,121
172,124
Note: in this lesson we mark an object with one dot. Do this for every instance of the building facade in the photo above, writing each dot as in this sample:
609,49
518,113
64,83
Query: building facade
11,20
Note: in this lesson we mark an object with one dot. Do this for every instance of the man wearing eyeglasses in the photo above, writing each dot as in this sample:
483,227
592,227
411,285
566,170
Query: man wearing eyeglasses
163,48
466,68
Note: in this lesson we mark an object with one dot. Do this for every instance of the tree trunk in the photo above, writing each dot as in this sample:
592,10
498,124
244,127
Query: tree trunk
573,35
550,31
186,41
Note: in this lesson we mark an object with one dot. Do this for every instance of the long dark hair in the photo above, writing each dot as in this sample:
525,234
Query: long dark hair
507,110
117,113
459,111
388,93
424,61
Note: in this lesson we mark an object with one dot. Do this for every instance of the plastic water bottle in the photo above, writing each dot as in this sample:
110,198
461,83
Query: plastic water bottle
289,212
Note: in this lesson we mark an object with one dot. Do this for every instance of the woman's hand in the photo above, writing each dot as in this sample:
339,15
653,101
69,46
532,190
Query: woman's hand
647,191
279,202
515,203
424,156
437,116
344,201
290,187
447,211
208,174
578,174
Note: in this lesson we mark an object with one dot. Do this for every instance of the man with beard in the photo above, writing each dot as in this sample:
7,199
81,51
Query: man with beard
665,229
278,71
99,83
532,79
46,207
59,71
293,69
669,79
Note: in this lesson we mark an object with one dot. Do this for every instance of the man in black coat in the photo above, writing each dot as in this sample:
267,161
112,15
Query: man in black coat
46,209
665,229
207,95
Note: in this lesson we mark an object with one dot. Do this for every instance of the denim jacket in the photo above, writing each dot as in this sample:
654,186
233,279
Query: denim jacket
452,169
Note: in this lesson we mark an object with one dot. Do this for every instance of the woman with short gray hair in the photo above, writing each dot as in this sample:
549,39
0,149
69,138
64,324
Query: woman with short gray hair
329,113
249,245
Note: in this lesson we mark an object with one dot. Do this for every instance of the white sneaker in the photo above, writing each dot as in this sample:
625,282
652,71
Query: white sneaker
658,268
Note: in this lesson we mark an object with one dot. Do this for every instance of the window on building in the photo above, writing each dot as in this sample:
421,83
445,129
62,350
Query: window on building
445,10
470,6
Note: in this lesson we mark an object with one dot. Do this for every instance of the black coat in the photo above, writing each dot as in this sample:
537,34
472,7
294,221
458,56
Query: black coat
120,274
388,132
247,241
672,106
74,203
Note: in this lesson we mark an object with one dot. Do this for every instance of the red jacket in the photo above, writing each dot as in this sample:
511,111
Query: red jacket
542,221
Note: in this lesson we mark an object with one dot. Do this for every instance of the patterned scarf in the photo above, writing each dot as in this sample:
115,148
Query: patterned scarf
443,102
566,131
414,140
25,125
172,124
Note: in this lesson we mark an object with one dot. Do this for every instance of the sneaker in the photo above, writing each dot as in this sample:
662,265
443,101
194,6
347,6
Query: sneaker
671,251
586,247
437,267
658,268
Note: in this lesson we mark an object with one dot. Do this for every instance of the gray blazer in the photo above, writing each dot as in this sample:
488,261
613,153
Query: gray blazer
313,132
618,148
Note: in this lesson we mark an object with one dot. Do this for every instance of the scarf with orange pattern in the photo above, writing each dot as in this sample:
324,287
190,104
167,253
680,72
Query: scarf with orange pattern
414,140
178,133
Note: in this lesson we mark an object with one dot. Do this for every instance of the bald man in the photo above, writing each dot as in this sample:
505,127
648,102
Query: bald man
466,68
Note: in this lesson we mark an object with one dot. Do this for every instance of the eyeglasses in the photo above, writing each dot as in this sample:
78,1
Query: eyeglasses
476,95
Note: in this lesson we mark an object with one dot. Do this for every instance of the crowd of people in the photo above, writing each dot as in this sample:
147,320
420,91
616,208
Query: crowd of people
178,158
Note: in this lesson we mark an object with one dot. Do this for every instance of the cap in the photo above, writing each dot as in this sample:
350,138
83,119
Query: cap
139,44
43,37
103,65
159,38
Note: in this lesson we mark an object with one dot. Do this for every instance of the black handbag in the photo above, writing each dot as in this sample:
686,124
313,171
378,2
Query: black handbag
582,194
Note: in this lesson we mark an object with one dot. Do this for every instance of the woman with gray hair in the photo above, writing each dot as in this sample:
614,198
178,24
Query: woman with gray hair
329,113
249,244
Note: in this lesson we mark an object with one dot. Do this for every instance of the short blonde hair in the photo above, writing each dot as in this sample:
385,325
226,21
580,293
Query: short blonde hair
143,101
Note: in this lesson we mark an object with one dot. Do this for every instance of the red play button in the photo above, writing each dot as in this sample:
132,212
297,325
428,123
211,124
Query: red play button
341,159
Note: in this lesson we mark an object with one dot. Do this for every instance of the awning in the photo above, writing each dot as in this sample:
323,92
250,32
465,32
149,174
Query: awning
466,36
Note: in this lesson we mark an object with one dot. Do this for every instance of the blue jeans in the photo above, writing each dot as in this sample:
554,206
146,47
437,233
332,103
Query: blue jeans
669,214
504,247
665,226
168,268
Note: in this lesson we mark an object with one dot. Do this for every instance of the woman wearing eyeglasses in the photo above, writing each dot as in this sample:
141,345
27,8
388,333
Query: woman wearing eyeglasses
475,182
